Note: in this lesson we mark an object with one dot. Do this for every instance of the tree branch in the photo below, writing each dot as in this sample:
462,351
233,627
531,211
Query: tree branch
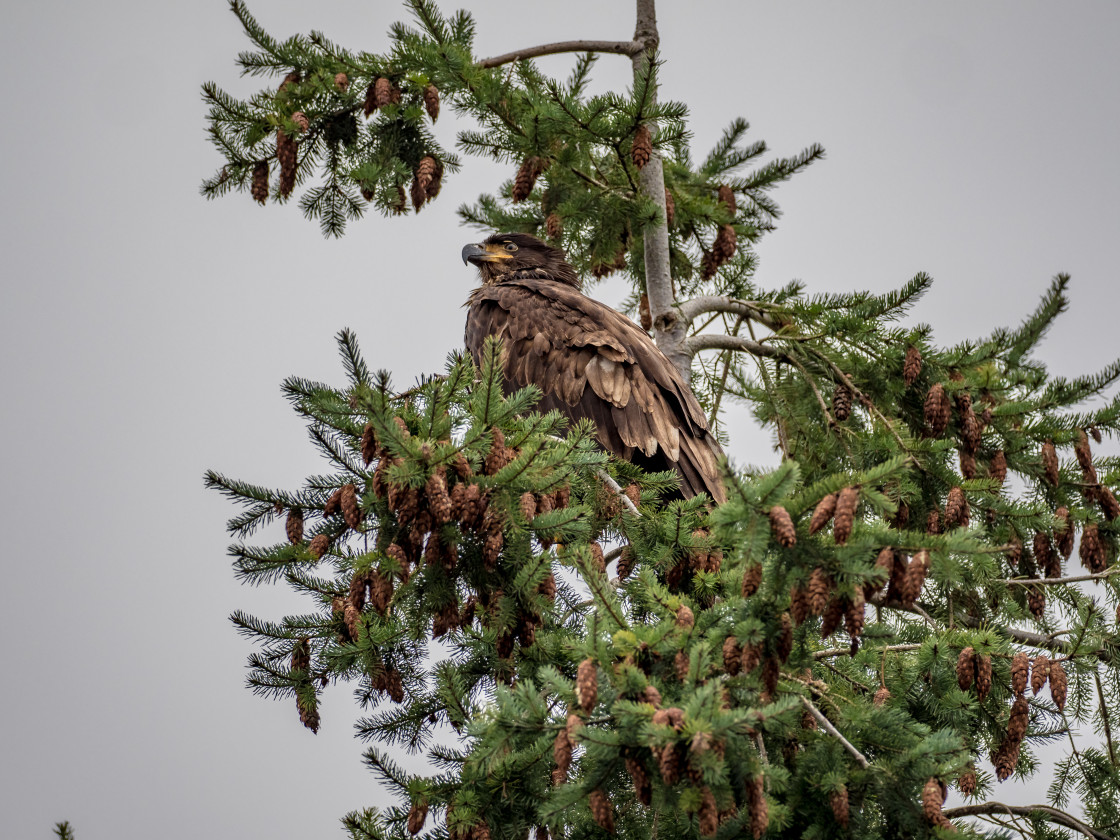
835,733
720,341
690,309
828,654
1052,814
616,47
1059,580
618,491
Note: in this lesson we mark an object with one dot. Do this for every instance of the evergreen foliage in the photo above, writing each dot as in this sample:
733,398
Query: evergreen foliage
820,655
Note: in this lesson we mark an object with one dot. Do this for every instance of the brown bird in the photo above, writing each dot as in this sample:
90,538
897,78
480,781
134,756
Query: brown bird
588,361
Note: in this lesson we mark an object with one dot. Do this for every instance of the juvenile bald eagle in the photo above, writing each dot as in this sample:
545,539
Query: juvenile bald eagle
588,360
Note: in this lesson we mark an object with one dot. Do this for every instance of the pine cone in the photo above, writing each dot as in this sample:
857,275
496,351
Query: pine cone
643,791
349,504
912,367
771,670
997,467
419,810
1020,671
286,156
752,655
1020,716
319,545
881,696
967,782
1091,550
554,227
301,655
292,78
937,410
294,526
983,676
838,799
670,208
1082,451
798,605
752,579
833,616
956,508
971,431
966,668
308,714
901,518
885,561
1063,535
685,618
439,502
642,147
726,197
1005,759
431,101
526,178
1014,551
1040,672
820,587
915,578
652,696
783,645
496,457
760,812
342,83
708,815
855,617
562,755
1107,500
626,561
259,189
1059,684
897,583
1050,463
732,655
587,685
823,512
669,765
481,831
931,802
1044,554
1036,601
846,506
781,527
385,93
724,245
369,444
300,119
968,464
841,403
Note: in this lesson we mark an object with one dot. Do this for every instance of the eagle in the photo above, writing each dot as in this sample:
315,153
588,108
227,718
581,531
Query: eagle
588,361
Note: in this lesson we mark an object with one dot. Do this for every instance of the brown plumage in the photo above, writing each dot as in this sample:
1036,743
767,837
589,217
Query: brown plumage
588,361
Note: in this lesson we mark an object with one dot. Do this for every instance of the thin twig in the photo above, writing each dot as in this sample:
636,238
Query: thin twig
1052,814
1104,718
1056,581
720,341
616,47
835,733
828,654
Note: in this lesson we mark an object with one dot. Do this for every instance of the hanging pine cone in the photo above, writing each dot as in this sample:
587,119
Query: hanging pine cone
819,590
838,799
291,79
562,756
294,526
708,814
643,790
956,508
752,655
1091,550
798,605
554,227
1005,759
1020,671
1059,684
587,685
1063,534
966,668
968,464
1036,601
854,616
1014,552
997,467
967,782
732,655
916,573
724,245
1107,500
301,655
897,583
823,512
369,444
1040,672
602,810
1020,717
319,545
883,560
881,696
781,527
1045,555
259,189
431,101
439,502
937,410
841,403
726,197
301,121
348,501
341,82
759,809
1082,451
933,522
846,505
912,367
752,579
385,93
783,646
983,676
670,208
642,147
626,561
971,431
1050,463
931,802
308,714
526,178
832,618
685,619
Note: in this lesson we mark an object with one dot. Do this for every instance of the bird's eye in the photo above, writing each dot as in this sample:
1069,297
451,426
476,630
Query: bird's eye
511,247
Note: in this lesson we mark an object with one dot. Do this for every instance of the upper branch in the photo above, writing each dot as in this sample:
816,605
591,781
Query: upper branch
720,341
691,309
617,47
1052,814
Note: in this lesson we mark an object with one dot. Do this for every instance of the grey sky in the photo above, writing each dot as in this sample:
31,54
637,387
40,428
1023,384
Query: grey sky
145,331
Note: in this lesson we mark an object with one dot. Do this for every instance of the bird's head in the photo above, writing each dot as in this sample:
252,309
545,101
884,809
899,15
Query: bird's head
499,255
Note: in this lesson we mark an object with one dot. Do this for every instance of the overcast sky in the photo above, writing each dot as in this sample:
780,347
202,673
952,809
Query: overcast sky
145,331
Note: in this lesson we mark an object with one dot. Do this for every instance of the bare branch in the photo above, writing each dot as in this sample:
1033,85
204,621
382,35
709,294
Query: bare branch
835,733
828,654
690,309
1056,581
1052,814
616,47
720,341
614,485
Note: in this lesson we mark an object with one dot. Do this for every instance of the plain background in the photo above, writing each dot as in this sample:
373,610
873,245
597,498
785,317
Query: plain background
145,331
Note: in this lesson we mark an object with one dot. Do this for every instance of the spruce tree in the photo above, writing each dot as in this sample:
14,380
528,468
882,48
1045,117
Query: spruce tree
891,608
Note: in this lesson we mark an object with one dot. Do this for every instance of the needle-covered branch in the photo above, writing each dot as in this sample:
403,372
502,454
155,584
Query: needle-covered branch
1047,812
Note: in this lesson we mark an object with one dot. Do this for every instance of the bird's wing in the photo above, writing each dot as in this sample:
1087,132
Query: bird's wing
591,361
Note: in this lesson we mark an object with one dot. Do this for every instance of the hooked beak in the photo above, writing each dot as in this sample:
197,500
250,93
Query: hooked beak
477,254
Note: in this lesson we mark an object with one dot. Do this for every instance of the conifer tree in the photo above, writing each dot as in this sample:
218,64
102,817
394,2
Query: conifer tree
889,609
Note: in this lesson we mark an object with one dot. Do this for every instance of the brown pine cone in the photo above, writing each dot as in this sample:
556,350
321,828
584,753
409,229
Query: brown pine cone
781,527
838,799
798,605
854,617
968,464
526,178
967,782
418,194
301,655
259,189
885,561
369,444
439,502
915,578
294,526
554,227
966,668
708,815
726,197
819,589
685,617
496,457
841,403
1020,716
937,410
598,559
1040,672
846,506
1020,671
431,101
342,83
301,121
983,676
752,579
380,592
1059,684
286,156
348,501
997,467
1091,550
1063,535
881,696
823,512
385,93
901,518
562,756
480,831
897,583
1107,500
833,616
1050,463
626,562
759,809
956,508
732,656
912,367
1005,759
670,208
669,764
1014,551
933,522
771,671
1082,451
308,715
587,685
971,431
370,104
783,646
724,245
528,506
931,802
319,545
643,790
642,147
752,655
652,696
